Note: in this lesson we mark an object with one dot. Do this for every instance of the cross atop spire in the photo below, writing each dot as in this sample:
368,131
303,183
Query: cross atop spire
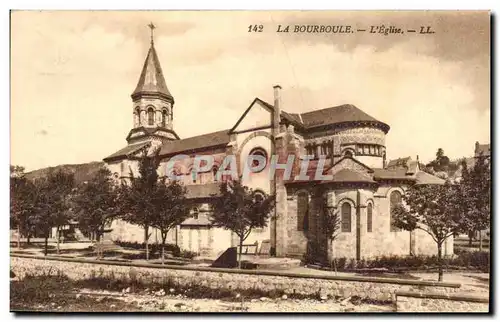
152,27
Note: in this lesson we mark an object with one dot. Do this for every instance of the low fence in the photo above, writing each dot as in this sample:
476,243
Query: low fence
381,289
443,303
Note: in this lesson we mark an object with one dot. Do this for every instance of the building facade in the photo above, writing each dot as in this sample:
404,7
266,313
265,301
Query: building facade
344,144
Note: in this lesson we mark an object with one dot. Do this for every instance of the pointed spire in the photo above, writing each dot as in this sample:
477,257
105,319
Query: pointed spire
152,80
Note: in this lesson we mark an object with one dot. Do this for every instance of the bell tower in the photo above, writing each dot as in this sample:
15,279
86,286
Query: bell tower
153,105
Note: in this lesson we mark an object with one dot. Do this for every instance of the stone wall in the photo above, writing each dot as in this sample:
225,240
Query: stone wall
380,241
431,302
382,289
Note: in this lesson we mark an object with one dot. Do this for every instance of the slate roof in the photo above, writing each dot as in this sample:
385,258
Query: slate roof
398,162
391,174
150,131
196,142
329,116
128,150
426,178
346,175
151,79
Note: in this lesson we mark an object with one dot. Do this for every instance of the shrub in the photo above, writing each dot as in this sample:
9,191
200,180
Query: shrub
312,253
476,260
154,249
187,254
341,263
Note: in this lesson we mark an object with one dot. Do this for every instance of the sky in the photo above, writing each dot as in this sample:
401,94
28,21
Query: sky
72,73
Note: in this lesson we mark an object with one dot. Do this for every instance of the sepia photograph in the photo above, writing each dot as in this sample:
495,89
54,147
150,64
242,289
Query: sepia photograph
237,161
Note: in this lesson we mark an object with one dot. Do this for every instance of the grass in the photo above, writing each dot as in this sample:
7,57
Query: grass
55,292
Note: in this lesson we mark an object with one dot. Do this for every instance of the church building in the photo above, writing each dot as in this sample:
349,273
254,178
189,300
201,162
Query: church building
363,185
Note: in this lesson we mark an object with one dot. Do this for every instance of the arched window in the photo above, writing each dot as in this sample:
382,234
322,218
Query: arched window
395,200
164,116
137,117
195,213
302,211
151,116
214,172
346,217
255,163
193,174
348,153
369,218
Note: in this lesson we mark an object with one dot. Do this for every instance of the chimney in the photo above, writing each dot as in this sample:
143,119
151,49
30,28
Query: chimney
277,109
477,146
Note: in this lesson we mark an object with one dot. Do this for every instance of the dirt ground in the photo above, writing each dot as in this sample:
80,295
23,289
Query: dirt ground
106,301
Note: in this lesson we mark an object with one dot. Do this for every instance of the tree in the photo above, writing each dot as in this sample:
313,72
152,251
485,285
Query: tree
240,209
433,209
21,202
95,203
136,200
51,196
332,228
441,166
171,207
475,200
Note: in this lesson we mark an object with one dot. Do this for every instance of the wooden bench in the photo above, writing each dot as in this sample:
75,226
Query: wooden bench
249,249
105,246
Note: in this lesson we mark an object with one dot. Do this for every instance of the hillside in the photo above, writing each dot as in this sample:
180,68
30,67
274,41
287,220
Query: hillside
83,172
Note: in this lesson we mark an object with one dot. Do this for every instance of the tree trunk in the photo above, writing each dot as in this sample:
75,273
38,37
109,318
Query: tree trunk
18,237
176,233
471,234
331,257
239,255
163,239
46,244
480,240
146,241
57,239
440,263
28,236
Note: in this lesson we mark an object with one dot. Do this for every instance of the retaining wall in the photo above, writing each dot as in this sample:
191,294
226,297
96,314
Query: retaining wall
383,289
443,303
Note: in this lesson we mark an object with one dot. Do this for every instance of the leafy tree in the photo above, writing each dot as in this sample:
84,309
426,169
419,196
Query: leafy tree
441,165
95,203
51,196
21,202
433,209
475,196
171,208
137,200
332,228
240,210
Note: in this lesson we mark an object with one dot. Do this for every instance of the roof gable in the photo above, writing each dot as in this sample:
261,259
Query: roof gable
258,115
349,169
349,162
